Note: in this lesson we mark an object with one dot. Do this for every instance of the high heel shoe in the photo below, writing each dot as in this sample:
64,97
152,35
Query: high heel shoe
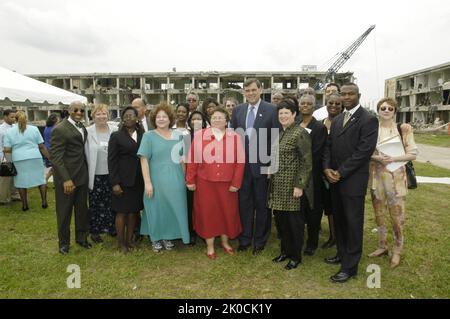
229,251
395,260
378,253
211,256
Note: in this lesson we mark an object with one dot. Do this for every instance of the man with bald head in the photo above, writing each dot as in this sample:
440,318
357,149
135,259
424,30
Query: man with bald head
140,107
71,177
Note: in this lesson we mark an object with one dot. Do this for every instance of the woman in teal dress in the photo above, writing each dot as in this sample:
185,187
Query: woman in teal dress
165,204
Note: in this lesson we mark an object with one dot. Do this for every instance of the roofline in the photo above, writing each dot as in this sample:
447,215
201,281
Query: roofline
432,68
199,73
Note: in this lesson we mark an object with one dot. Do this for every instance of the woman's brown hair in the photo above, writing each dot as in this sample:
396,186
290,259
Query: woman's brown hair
167,109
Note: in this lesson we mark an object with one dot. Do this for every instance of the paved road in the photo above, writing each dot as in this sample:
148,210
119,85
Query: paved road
439,156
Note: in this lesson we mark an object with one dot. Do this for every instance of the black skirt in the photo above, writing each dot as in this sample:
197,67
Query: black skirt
132,199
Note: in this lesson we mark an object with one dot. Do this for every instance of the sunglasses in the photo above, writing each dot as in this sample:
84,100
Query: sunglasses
390,108
78,110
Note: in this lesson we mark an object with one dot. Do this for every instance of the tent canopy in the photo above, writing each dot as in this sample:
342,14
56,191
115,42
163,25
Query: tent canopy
19,88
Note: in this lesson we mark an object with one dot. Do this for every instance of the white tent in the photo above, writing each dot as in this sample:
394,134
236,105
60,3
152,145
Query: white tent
19,88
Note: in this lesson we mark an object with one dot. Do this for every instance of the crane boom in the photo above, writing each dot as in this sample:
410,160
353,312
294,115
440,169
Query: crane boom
344,56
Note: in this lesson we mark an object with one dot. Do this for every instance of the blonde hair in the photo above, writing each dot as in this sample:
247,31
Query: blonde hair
99,108
21,121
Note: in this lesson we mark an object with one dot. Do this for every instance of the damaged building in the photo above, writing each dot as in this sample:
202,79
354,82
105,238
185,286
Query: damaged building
423,96
118,89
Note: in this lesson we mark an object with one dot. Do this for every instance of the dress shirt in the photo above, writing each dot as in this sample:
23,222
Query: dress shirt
3,128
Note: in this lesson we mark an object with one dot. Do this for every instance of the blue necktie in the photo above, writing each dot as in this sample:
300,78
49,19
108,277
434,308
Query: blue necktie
250,119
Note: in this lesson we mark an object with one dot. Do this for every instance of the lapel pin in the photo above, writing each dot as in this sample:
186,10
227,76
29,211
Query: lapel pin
260,114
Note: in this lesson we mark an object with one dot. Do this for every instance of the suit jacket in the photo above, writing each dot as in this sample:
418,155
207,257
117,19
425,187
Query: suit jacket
123,162
319,134
67,154
91,151
349,149
267,118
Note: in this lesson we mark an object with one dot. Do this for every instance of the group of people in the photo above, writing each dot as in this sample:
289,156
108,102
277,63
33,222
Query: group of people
210,171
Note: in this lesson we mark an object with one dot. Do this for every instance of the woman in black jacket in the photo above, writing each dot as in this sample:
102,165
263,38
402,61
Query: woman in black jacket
318,134
126,176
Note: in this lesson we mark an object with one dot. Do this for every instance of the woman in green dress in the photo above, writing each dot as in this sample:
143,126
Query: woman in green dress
290,181
165,204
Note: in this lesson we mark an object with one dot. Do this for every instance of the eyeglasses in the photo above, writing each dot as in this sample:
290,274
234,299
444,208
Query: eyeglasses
390,108
191,100
78,110
334,103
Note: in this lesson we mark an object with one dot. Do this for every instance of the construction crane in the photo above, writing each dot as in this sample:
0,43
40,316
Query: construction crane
343,57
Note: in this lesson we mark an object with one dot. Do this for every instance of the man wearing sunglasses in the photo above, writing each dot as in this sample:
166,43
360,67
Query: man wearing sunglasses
193,101
71,177
350,145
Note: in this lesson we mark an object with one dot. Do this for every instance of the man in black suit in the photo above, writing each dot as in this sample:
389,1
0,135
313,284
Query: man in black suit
257,118
71,177
351,143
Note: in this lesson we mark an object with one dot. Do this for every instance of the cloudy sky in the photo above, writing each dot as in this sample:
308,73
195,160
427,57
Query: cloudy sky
84,36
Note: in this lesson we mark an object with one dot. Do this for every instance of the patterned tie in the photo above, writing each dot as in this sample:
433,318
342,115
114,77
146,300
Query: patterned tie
347,116
79,124
250,120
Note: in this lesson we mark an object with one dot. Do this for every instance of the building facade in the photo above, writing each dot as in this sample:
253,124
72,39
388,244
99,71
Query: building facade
118,89
423,95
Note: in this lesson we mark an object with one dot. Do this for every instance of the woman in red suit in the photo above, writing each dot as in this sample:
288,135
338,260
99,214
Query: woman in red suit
214,171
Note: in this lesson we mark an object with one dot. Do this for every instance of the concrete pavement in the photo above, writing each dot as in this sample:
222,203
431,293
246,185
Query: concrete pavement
439,156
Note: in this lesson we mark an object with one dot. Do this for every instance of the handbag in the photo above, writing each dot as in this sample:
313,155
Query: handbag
7,168
409,167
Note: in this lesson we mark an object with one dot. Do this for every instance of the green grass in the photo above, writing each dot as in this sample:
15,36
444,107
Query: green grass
32,268
434,140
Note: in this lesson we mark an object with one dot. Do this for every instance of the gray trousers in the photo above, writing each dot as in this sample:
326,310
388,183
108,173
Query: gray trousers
76,201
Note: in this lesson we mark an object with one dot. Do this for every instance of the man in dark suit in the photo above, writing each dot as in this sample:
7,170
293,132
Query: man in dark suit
141,108
71,177
351,143
257,118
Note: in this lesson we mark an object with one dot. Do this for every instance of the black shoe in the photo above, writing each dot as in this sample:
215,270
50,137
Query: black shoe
280,258
96,238
44,205
242,248
25,208
193,240
333,260
309,252
137,238
257,250
64,250
342,277
85,244
292,264
330,243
